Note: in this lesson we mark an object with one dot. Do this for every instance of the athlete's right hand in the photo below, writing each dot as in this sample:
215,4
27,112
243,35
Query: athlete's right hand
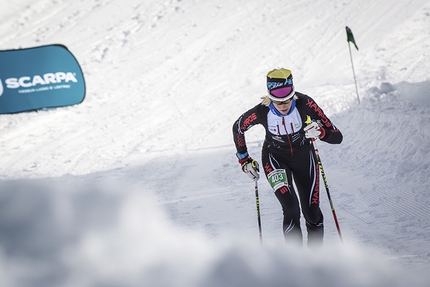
250,167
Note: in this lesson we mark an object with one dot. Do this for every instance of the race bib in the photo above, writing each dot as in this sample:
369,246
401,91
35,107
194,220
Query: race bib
278,178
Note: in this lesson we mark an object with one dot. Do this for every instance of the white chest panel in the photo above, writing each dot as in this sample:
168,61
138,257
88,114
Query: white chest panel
284,125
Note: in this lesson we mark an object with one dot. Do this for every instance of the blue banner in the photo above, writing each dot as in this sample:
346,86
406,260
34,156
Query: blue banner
39,77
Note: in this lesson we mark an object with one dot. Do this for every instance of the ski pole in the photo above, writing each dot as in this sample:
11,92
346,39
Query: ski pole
328,192
257,201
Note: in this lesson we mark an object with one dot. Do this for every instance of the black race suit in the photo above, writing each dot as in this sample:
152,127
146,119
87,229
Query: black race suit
285,147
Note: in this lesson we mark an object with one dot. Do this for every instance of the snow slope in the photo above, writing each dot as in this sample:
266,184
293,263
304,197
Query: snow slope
139,184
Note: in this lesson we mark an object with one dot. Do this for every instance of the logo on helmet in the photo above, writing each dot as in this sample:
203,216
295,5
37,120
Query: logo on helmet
279,83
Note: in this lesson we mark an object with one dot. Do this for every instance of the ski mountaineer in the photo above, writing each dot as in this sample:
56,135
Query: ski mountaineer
292,121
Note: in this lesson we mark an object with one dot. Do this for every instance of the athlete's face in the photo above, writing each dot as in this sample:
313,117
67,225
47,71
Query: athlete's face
283,107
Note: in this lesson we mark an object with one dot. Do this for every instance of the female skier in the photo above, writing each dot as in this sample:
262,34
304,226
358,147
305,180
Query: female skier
291,120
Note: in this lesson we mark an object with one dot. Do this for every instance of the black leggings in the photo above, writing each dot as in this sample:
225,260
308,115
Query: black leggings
303,167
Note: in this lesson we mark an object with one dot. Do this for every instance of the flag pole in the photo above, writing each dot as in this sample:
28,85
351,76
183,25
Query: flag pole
353,72
350,38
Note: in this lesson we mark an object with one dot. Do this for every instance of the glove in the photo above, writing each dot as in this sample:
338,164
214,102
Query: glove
313,130
249,166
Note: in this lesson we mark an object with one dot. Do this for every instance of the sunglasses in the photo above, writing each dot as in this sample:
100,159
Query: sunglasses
283,102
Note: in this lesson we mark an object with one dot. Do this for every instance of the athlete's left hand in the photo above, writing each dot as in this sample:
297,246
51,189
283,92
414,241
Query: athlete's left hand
313,130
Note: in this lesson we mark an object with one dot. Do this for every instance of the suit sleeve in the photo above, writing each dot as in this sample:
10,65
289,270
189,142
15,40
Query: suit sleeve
333,134
241,125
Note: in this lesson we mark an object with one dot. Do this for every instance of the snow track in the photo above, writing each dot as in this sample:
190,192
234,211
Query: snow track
139,185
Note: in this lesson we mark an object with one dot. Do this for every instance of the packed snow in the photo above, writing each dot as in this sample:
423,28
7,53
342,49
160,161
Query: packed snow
139,185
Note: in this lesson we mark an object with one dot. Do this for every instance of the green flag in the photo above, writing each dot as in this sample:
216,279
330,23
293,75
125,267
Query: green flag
350,37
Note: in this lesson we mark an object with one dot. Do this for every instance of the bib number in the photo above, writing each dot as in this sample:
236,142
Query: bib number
278,178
